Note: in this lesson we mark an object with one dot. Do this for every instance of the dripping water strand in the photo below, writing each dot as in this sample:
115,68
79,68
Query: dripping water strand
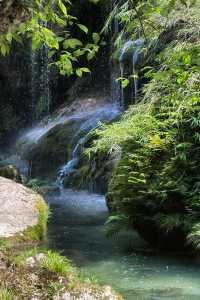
132,51
71,165
115,86
40,81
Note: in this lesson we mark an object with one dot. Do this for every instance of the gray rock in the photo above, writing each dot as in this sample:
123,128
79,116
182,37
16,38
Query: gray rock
39,257
18,208
30,262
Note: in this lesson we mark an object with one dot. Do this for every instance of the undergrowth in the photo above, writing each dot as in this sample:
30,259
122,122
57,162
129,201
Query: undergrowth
6,294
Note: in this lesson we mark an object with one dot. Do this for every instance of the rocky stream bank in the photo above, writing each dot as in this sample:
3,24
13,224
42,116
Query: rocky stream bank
28,270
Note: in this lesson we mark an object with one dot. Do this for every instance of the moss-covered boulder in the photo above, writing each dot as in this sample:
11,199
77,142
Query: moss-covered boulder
22,211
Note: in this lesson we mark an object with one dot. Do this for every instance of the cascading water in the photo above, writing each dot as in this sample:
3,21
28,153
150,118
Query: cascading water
71,165
45,84
77,223
33,81
40,82
104,114
132,52
136,60
75,126
116,95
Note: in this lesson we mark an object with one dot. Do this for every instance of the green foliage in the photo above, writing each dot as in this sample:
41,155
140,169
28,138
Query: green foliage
148,19
51,24
157,181
39,231
54,288
6,294
116,223
20,259
153,22
56,263
4,244
36,184
52,261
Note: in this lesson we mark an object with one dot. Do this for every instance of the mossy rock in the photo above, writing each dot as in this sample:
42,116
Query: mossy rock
11,172
94,172
52,150
23,213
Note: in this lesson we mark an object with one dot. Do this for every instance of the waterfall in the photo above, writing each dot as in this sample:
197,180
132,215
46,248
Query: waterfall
104,114
131,53
116,95
33,82
44,83
72,164
40,82
136,60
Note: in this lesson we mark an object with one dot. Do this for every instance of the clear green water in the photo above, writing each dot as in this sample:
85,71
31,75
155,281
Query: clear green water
77,229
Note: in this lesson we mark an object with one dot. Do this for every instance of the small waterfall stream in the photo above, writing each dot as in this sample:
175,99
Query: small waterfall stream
71,165
131,53
116,89
104,114
40,82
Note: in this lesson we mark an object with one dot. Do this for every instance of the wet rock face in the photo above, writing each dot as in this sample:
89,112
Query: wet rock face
52,150
94,173
15,95
52,143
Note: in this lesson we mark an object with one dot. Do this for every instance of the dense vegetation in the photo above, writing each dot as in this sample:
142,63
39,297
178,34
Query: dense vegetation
52,24
155,188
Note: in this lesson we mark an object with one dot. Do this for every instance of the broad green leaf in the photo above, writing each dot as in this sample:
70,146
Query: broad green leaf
96,37
72,43
62,7
83,28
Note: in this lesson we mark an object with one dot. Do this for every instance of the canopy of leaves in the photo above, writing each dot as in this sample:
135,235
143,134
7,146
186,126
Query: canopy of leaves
50,23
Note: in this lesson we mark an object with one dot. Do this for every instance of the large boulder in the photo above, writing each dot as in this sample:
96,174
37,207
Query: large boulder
19,208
